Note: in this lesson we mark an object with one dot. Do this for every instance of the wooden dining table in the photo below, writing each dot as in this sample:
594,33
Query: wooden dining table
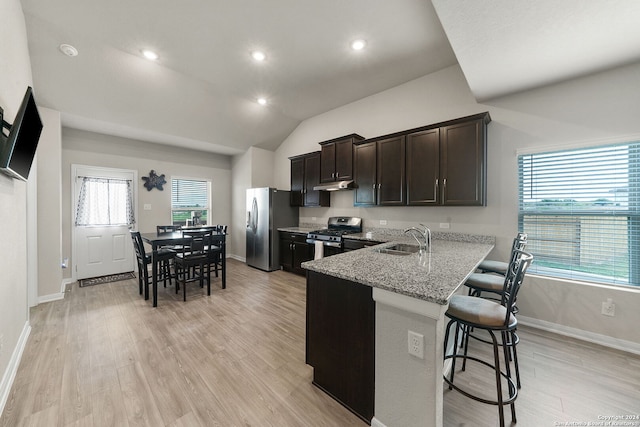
158,240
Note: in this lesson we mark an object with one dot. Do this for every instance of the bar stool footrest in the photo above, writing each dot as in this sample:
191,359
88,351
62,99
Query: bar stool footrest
513,390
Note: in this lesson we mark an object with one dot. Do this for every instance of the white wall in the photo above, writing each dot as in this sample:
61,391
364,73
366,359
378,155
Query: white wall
253,169
241,180
15,76
602,106
49,207
87,148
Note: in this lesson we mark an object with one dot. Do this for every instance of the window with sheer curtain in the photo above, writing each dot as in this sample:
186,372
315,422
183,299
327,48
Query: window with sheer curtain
104,201
579,208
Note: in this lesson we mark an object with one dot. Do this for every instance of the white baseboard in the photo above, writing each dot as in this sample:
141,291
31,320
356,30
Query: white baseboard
237,258
12,369
376,423
604,340
59,295
51,297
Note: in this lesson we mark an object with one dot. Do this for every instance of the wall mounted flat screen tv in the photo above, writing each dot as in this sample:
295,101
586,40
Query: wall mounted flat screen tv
18,148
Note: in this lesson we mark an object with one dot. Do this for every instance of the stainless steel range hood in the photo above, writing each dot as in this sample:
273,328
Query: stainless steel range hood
335,186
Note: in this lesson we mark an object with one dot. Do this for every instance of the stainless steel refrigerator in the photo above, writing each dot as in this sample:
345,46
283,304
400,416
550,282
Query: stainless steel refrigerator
267,210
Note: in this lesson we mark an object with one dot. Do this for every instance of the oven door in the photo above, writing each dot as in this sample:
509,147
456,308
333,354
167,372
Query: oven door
332,250
328,248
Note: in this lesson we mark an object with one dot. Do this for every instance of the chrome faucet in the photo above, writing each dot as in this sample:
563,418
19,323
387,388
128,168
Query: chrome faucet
425,234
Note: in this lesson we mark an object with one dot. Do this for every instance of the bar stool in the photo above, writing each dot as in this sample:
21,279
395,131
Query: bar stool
470,312
493,283
480,284
500,267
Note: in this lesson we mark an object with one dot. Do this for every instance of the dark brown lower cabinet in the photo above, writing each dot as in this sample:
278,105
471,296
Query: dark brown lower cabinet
352,244
341,341
294,250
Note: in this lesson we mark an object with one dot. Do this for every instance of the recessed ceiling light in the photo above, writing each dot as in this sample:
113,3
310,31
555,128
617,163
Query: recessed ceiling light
149,54
358,44
258,55
262,101
68,50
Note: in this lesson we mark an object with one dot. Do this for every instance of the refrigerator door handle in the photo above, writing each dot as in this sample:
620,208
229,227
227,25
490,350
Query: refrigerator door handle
254,214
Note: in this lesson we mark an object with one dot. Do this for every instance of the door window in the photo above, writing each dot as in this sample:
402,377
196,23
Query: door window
104,201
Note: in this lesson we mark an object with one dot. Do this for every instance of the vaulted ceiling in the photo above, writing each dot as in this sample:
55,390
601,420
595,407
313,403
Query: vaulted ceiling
508,46
202,90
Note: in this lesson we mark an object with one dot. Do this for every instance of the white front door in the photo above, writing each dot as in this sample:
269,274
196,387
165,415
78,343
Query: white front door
102,243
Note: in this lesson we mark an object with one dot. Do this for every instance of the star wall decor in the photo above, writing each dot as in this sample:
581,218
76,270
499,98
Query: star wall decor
154,180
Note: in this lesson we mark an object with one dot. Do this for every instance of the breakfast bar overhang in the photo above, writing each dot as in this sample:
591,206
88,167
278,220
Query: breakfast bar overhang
408,293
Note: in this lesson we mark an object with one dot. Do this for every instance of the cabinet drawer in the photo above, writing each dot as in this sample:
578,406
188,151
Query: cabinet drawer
352,244
294,237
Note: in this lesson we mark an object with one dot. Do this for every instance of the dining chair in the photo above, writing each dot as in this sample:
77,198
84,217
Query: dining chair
163,257
160,229
192,262
216,250
167,228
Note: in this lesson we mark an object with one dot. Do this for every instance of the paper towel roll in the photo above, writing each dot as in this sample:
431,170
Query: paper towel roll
319,249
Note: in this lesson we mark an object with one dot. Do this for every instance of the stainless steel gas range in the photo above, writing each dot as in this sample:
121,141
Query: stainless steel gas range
332,236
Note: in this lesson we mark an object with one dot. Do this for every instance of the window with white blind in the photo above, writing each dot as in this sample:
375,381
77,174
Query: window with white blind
190,201
579,208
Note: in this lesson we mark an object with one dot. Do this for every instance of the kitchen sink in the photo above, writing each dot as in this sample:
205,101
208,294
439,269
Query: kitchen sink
399,249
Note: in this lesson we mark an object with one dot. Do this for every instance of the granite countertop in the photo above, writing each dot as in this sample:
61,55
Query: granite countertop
433,277
301,229
389,234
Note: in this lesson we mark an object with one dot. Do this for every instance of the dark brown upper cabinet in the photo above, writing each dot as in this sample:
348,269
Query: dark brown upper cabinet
463,164
336,158
423,167
390,171
297,181
305,174
446,164
380,172
443,164
364,165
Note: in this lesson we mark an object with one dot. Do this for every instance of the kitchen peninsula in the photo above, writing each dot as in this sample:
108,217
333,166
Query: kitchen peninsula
361,306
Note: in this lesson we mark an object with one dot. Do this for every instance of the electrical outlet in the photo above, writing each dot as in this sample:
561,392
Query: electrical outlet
1,343
608,308
383,222
147,206
416,344
445,225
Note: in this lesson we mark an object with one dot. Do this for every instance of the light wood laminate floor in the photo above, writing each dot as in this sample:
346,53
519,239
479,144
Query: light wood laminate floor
104,357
